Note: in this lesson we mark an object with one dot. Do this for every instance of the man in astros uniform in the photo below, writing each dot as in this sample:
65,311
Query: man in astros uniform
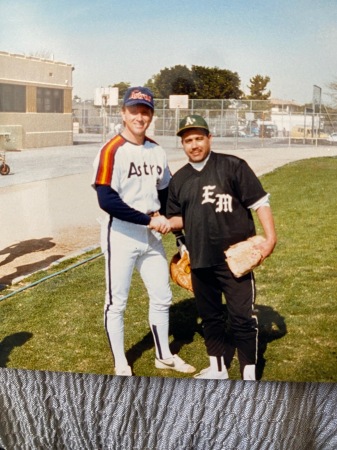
131,180
211,198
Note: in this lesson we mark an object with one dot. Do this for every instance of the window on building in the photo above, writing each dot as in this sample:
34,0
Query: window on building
49,100
12,98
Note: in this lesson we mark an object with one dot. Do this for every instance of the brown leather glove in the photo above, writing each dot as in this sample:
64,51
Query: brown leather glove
243,257
180,270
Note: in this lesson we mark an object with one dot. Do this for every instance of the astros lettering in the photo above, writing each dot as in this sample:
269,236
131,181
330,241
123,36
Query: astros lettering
136,95
145,169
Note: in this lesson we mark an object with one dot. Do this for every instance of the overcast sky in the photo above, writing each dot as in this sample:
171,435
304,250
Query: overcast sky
107,41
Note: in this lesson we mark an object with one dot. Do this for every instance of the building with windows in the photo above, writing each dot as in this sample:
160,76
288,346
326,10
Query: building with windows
35,102
279,106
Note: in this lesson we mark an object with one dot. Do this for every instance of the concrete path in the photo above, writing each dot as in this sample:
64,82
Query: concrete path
49,210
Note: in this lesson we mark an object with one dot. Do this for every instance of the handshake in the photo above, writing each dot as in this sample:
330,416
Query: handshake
160,223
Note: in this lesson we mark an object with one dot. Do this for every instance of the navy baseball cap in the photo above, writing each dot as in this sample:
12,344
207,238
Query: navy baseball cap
192,121
138,96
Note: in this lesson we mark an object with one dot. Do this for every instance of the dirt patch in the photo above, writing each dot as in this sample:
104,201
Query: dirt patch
23,258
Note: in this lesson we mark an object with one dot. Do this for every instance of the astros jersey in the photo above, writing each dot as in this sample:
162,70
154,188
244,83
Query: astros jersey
135,172
214,206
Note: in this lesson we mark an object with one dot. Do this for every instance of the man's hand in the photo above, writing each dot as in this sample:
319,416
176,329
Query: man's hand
160,223
266,248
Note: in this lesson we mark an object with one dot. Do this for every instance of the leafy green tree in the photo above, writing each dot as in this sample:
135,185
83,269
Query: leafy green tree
122,88
215,83
198,83
257,87
152,84
176,80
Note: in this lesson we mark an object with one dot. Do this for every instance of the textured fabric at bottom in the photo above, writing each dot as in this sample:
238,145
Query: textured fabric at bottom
48,411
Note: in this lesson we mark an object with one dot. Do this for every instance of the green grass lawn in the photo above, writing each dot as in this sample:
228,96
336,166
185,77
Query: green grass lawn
57,325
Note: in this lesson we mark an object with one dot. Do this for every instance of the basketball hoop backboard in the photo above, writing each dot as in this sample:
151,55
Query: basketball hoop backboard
106,96
178,101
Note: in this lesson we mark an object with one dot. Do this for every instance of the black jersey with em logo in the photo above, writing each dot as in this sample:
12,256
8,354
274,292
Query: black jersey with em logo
214,205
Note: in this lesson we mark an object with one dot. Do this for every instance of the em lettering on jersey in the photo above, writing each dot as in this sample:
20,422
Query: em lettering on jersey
223,202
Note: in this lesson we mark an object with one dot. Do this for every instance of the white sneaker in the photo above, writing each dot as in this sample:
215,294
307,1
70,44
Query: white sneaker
249,372
123,371
210,374
174,363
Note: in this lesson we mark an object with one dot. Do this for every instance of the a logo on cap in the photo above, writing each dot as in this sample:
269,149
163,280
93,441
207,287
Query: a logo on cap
137,95
189,121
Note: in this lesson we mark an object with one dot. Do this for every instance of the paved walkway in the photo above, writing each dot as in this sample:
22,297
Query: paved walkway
49,210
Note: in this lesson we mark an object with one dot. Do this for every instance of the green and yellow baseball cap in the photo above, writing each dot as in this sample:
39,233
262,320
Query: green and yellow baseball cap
192,121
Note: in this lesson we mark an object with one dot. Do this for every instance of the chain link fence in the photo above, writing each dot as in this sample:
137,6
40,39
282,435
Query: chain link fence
243,122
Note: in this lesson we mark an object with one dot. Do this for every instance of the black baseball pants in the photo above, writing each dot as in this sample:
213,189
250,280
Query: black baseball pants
241,333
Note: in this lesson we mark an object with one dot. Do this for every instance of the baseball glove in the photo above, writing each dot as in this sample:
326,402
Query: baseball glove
180,270
243,257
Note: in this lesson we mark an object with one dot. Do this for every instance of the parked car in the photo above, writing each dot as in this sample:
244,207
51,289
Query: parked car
332,138
93,129
268,131
255,131
238,131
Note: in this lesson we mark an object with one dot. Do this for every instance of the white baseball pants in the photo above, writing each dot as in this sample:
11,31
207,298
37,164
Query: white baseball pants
127,246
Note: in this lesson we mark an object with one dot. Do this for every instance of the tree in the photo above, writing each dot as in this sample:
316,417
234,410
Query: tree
198,82
176,80
215,83
333,92
122,88
257,87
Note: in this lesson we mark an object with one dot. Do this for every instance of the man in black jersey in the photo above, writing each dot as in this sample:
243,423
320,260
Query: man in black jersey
211,199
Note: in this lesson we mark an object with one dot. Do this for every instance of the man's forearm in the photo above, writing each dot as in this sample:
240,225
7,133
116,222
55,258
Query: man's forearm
266,219
176,223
